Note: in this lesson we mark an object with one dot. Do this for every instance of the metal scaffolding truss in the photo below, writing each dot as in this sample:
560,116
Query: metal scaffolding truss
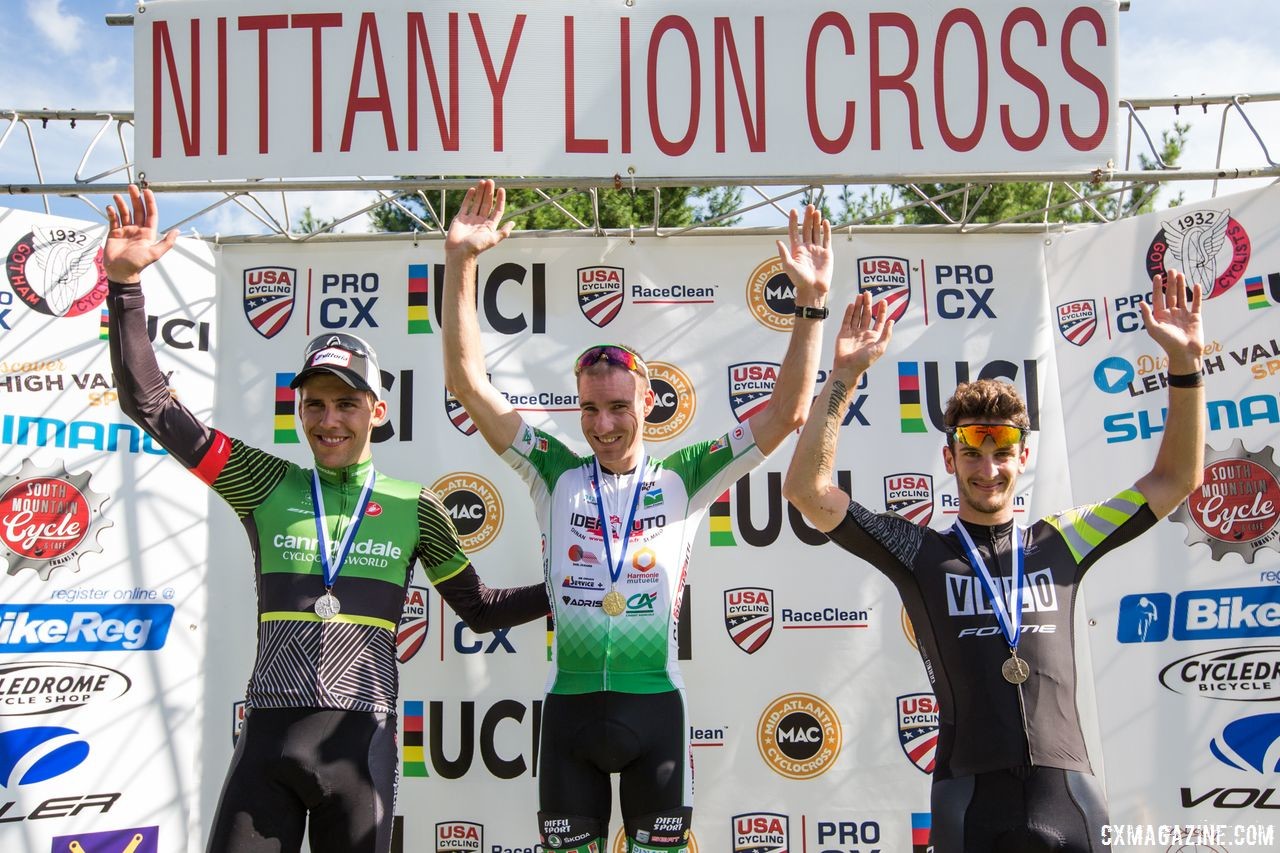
269,202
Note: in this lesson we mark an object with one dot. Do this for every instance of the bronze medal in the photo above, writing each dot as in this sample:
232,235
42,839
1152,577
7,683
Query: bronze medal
1015,670
614,603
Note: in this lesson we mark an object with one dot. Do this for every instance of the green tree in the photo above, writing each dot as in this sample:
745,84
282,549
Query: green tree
571,209
1014,201
308,223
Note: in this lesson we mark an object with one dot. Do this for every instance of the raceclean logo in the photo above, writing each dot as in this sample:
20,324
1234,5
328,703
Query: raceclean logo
60,628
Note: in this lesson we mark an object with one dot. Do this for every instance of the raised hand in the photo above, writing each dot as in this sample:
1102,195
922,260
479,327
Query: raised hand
475,228
1173,323
864,335
809,260
131,243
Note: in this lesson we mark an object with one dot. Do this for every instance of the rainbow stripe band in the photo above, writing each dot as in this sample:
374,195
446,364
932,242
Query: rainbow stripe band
286,408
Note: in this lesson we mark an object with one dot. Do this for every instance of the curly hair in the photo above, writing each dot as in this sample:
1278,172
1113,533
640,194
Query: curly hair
988,399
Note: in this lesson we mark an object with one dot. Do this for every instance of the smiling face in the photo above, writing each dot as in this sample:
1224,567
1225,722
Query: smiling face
986,476
338,420
613,404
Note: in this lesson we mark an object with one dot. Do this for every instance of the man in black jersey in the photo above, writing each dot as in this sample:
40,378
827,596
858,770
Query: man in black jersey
992,603
334,549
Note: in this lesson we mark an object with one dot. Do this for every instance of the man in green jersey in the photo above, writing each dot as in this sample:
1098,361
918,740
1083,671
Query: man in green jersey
618,528
334,549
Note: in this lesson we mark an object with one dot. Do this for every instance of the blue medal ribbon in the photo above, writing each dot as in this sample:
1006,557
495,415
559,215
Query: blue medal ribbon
330,562
602,512
1010,623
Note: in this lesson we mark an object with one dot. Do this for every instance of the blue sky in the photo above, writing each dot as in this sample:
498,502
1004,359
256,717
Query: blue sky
61,55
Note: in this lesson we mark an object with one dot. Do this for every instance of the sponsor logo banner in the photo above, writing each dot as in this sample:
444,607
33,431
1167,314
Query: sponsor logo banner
138,839
1237,508
799,736
48,518
45,687
60,628
38,753
1245,674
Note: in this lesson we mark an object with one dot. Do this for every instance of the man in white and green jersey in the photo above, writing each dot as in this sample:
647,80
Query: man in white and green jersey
618,529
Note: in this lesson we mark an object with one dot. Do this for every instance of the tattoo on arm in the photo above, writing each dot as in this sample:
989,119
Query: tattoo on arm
836,403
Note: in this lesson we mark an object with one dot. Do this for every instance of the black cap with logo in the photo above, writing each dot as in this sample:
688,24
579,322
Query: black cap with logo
345,356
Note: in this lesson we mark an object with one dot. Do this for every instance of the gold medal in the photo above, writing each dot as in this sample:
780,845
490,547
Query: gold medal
614,603
1015,670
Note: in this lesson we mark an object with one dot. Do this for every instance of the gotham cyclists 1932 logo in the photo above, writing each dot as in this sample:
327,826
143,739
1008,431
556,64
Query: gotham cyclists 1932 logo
57,271
1208,246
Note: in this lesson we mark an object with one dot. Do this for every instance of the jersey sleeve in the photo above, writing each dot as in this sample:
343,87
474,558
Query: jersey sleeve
482,608
1092,530
885,540
709,467
242,475
540,458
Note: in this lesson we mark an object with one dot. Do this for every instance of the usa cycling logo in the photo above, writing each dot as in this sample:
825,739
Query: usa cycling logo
761,832
459,836
748,617
1077,321
910,496
1249,743
601,293
458,415
888,280
49,518
38,753
414,621
918,729
1210,248
1236,509
751,387
268,298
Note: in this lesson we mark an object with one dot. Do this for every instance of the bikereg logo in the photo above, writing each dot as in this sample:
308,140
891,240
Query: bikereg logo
1237,508
49,518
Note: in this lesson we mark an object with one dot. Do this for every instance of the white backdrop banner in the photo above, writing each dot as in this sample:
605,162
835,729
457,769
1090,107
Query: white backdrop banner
292,88
102,616
816,734
1186,633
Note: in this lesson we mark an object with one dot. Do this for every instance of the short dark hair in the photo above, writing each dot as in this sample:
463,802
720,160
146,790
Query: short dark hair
987,399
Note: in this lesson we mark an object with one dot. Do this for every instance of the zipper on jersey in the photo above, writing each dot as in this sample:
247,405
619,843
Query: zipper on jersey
1022,703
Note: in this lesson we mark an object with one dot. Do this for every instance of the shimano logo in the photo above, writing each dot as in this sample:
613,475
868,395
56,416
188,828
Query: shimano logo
74,628
966,597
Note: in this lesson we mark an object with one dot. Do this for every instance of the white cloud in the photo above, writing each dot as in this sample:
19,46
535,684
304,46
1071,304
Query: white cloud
63,30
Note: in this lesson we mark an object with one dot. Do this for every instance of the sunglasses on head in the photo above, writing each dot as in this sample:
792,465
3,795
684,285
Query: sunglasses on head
973,435
613,354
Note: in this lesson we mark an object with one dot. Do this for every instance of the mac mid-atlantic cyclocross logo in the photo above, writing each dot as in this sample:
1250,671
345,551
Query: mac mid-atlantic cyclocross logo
48,518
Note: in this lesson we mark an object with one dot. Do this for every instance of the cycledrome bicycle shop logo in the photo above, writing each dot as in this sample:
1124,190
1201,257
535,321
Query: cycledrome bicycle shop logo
1243,674
748,617
918,729
1208,246
760,832
268,298
1077,321
674,402
414,621
46,687
601,293
888,280
799,736
751,386
474,505
49,518
1237,508
459,836
910,496
138,839
57,271
771,297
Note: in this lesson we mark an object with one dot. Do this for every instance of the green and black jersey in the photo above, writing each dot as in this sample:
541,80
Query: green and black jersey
303,661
